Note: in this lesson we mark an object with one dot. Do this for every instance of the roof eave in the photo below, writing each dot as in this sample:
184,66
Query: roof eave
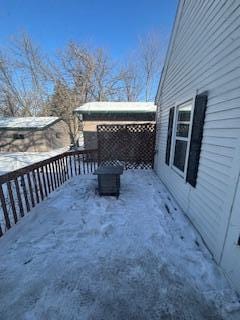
30,128
109,112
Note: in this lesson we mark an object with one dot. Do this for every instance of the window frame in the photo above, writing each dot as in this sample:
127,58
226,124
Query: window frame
178,105
18,136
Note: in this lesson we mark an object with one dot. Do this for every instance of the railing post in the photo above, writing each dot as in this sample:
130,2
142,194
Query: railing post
48,179
40,184
49,168
53,175
35,185
11,198
4,208
59,172
75,164
44,181
30,189
20,204
70,162
84,169
56,170
25,193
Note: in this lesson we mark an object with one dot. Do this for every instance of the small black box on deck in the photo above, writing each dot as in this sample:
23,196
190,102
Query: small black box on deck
109,180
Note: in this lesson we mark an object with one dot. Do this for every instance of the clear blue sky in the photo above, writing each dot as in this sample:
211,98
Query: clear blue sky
114,25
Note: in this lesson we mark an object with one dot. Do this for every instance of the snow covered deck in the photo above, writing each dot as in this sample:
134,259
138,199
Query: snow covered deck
81,256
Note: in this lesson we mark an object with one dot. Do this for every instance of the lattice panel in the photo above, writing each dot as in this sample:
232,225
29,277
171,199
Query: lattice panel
131,145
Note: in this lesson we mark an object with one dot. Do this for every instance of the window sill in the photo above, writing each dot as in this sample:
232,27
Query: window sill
178,172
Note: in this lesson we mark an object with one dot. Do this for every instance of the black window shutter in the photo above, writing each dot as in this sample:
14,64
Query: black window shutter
169,136
196,138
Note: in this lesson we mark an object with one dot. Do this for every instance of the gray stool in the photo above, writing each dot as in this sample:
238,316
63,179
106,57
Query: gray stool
109,180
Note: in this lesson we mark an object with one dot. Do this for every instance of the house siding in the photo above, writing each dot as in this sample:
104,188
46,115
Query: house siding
51,138
205,56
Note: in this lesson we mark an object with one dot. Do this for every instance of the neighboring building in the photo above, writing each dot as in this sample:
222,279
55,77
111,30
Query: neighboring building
38,134
94,113
199,95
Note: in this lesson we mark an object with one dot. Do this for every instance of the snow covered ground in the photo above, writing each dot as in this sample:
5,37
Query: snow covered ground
81,256
10,161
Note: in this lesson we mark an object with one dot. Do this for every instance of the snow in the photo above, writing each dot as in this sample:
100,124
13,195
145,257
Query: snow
81,256
116,107
10,161
26,122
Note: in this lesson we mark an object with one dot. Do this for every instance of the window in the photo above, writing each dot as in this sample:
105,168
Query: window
18,136
182,137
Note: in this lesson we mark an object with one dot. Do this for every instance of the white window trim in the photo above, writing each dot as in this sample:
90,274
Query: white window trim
188,139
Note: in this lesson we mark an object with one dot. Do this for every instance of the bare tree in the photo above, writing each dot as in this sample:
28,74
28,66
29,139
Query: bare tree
106,79
23,81
131,82
150,57
33,72
72,75
76,69
11,101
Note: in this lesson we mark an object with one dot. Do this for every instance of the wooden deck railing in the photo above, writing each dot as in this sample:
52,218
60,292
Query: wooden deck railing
23,189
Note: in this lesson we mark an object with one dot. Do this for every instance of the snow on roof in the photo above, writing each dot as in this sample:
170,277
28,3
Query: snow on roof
26,122
117,107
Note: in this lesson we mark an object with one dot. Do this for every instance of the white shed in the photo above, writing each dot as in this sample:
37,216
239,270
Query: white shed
198,124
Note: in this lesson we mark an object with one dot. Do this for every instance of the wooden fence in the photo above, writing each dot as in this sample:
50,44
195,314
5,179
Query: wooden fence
131,145
22,189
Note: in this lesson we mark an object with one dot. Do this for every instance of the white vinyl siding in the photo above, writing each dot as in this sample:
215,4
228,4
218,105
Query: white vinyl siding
205,56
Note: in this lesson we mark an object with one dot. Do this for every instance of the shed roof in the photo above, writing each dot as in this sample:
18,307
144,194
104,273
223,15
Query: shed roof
117,107
26,123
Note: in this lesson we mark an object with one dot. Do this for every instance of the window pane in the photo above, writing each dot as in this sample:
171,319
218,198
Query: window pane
180,154
184,113
182,130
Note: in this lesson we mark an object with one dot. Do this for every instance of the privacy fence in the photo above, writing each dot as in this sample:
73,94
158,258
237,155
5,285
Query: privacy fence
23,189
131,145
